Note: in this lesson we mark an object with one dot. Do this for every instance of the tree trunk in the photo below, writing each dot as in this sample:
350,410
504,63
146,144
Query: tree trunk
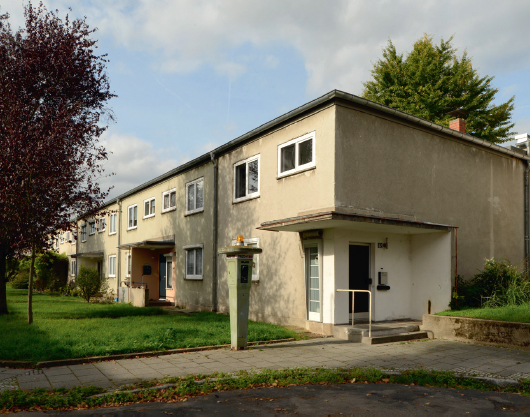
3,289
30,285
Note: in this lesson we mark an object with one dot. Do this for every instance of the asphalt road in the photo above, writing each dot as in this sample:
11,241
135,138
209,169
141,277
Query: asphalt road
326,400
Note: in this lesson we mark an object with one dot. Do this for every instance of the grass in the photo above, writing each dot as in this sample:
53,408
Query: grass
66,328
190,386
519,314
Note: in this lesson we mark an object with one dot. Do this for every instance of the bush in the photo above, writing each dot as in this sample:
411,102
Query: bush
52,268
88,282
21,281
498,284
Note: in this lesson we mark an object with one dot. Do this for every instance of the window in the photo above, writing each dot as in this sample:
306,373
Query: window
102,223
246,179
67,237
62,238
132,217
72,267
112,266
129,265
296,155
195,196
254,243
56,243
169,271
193,262
91,228
74,236
83,233
169,199
149,208
112,225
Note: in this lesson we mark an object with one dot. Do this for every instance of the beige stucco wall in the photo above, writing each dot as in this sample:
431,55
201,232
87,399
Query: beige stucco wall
280,294
386,168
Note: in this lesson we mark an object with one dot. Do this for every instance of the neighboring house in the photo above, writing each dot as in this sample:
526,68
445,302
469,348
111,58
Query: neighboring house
334,192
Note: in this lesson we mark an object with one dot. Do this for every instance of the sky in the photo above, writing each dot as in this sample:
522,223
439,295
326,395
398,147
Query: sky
191,75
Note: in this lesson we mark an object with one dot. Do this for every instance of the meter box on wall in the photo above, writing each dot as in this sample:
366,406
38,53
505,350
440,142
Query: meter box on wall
382,281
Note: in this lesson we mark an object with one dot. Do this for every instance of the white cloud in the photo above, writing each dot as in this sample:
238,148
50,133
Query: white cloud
134,161
338,39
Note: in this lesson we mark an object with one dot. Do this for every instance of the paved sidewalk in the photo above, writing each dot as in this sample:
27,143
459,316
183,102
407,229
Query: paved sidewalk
462,358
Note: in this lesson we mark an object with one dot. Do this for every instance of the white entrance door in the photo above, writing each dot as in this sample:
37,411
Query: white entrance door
313,282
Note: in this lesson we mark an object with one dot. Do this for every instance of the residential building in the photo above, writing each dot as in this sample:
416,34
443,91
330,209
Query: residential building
340,193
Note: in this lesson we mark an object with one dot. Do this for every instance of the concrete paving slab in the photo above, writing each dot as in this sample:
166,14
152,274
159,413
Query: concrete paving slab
33,385
60,370
62,378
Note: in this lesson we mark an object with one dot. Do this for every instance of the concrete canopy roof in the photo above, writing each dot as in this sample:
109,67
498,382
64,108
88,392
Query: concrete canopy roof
334,219
93,254
149,244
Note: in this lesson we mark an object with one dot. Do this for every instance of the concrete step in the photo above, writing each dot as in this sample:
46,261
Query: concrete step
399,337
355,334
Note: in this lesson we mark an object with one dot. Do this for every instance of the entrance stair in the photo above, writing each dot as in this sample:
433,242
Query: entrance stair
382,332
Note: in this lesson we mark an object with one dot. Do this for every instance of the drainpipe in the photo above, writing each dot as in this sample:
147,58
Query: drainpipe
214,234
118,258
526,212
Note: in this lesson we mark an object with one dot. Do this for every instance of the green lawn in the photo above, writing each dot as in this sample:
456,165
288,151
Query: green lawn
65,327
520,314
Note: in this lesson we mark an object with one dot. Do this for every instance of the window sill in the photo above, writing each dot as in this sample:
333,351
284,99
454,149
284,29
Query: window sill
168,210
294,172
113,233
189,213
148,217
112,276
132,228
101,231
91,234
83,241
193,278
243,199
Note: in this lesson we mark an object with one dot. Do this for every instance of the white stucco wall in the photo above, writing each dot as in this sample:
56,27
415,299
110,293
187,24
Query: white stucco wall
431,273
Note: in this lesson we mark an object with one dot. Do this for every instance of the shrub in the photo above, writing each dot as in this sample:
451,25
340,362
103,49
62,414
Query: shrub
88,282
498,284
21,281
52,268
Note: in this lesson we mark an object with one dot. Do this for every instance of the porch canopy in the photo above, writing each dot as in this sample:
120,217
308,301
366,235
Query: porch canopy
93,254
149,244
336,219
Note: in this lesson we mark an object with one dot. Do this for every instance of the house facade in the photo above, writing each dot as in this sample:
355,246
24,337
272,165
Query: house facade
340,193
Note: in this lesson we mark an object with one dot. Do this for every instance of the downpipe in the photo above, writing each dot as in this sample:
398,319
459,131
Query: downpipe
214,234
526,219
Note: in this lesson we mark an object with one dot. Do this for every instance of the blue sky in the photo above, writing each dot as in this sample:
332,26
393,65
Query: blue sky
191,75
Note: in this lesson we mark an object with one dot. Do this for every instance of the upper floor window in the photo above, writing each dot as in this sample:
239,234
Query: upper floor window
102,224
149,207
169,199
74,236
83,233
62,238
112,223
91,228
195,196
132,218
296,155
56,243
72,267
246,179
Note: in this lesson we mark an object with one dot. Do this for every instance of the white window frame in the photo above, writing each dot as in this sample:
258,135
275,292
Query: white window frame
112,266
61,238
83,232
255,267
151,209
169,274
194,185
165,210
297,168
115,216
193,248
129,227
102,221
73,267
255,194
128,265
56,243
91,228
74,237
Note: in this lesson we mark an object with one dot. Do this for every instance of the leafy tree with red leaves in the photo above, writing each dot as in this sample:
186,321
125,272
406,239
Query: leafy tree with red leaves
53,92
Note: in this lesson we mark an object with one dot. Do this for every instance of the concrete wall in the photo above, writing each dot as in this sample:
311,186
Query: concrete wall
280,294
387,168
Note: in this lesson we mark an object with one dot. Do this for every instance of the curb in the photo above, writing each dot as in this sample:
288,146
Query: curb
79,361
16,364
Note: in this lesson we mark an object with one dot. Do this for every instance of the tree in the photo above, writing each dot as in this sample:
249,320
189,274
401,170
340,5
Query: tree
88,282
53,91
432,81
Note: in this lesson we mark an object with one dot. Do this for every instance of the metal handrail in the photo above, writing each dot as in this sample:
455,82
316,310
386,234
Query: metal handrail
369,308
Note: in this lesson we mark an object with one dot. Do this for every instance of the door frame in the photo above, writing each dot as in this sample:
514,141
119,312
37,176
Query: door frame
318,243
169,273
371,269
